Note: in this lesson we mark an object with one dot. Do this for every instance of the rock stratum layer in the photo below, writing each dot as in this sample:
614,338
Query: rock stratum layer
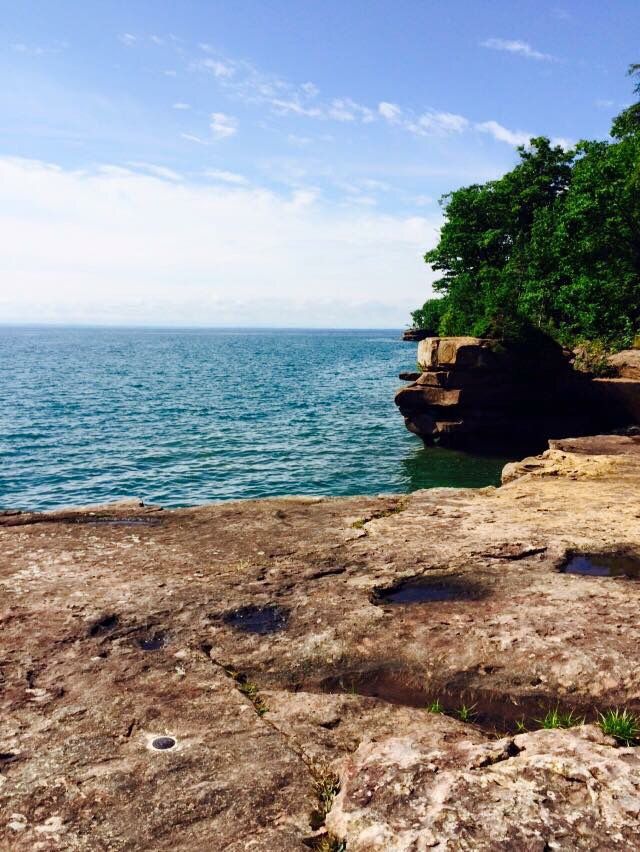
476,390
125,624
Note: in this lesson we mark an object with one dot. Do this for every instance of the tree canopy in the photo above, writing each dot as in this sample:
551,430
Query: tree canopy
553,245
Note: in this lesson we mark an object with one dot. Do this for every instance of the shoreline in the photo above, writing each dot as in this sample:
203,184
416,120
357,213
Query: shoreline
259,638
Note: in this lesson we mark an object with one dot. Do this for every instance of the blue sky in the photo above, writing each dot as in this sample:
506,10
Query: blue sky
272,162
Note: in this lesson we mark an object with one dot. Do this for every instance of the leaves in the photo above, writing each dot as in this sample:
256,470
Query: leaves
553,244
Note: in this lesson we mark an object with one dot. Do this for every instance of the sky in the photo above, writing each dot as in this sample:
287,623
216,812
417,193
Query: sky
272,163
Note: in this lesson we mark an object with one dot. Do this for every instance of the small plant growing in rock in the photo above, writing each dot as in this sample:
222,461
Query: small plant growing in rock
520,726
359,524
466,712
620,724
327,787
557,718
250,689
435,707
329,843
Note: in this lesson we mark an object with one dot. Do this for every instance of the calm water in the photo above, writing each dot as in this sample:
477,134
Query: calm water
178,417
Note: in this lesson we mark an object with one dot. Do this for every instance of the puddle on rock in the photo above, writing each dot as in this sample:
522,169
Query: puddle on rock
493,710
258,619
151,642
603,565
427,590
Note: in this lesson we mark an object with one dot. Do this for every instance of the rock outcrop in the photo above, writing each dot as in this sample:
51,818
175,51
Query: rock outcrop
626,364
261,643
480,391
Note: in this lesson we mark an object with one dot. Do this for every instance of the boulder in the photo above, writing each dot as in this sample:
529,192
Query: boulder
461,352
627,363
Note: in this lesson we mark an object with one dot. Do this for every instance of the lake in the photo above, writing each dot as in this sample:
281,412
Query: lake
185,416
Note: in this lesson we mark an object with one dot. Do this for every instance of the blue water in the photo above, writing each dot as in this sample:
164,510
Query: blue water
178,417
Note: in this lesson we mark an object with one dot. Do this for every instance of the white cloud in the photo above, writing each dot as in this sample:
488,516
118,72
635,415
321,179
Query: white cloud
39,50
156,40
157,171
563,141
226,177
191,137
217,67
515,46
503,134
222,126
438,124
345,109
391,112
181,106
127,39
117,246
283,107
604,103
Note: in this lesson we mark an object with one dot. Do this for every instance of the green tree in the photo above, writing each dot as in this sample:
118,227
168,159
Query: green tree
554,244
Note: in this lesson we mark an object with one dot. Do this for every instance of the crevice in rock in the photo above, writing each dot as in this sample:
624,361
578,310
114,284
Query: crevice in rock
326,783
399,506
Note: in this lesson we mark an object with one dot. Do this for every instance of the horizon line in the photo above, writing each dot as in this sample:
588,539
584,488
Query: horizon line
185,327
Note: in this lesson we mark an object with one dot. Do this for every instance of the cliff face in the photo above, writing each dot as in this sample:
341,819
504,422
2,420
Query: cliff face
212,677
472,389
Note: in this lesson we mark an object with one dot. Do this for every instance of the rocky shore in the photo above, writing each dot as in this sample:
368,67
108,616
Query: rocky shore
471,390
254,676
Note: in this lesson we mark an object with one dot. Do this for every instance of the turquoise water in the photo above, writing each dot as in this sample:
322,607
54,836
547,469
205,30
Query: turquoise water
178,417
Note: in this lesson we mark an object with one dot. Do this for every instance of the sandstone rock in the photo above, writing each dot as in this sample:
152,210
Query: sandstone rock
599,445
545,790
411,334
627,363
483,391
460,352
115,633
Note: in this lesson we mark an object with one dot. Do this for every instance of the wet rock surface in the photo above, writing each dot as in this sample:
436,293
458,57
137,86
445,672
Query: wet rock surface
261,720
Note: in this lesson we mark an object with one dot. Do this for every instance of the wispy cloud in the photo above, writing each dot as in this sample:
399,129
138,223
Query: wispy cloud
155,170
438,124
128,39
222,126
346,109
522,48
226,177
216,67
181,106
391,112
38,49
503,134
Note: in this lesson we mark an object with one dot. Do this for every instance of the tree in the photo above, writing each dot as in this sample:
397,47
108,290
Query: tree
554,244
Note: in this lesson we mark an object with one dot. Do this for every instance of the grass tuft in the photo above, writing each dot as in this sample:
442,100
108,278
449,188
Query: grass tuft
466,712
620,724
557,718
435,707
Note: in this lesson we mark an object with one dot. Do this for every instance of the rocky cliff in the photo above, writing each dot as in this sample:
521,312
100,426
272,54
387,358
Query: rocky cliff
475,390
298,674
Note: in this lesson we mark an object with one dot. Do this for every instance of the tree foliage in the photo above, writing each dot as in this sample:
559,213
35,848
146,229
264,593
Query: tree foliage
554,244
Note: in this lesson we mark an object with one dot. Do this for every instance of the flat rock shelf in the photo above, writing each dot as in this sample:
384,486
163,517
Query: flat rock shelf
250,671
